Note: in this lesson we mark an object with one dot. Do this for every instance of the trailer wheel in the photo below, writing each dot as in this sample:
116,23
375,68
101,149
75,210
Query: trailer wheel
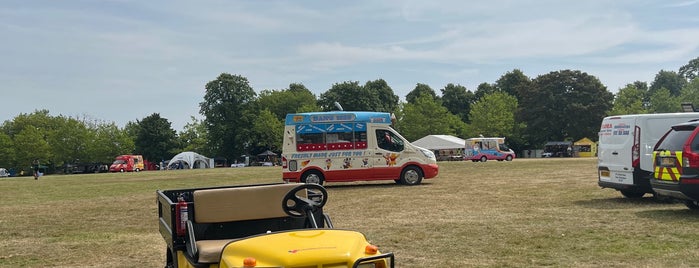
411,175
483,158
508,158
312,176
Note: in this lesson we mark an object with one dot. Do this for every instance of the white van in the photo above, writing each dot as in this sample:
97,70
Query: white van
625,151
351,146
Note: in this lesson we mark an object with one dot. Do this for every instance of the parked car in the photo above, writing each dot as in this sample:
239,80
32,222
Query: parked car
676,164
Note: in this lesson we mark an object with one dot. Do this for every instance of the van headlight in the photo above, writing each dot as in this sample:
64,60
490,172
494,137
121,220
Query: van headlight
429,154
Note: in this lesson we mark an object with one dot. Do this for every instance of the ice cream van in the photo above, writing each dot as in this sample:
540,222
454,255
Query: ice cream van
484,149
346,146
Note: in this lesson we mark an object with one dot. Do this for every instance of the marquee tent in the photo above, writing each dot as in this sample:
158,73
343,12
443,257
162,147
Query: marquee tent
190,160
445,147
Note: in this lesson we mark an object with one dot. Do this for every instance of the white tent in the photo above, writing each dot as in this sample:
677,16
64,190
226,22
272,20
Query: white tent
190,160
440,142
445,147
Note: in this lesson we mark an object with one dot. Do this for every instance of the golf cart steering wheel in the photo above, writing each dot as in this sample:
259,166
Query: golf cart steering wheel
296,204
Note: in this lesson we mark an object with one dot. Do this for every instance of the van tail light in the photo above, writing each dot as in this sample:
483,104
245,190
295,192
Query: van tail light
284,163
689,160
636,148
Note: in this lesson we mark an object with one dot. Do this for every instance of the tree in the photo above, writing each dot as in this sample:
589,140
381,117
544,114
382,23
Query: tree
662,101
484,89
690,70
193,137
30,144
690,92
457,99
494,115
420,90
564,104
351,96
268,132
69,141
156,139
426,117
629,100
669,80
283,102
228,114
7,151
514,83
387,99
109,142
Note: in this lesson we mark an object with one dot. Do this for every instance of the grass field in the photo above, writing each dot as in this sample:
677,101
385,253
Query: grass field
524,213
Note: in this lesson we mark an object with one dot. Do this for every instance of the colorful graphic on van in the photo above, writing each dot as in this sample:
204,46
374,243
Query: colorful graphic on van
391,159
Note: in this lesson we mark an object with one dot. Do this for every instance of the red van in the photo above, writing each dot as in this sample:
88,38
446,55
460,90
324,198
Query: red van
127,163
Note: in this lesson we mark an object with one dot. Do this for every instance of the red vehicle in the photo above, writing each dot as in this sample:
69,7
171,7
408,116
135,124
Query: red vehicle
127,163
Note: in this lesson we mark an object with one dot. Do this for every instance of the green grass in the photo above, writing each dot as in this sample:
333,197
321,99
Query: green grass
524,213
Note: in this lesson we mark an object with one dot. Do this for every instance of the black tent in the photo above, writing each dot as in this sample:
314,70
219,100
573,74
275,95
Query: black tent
267,156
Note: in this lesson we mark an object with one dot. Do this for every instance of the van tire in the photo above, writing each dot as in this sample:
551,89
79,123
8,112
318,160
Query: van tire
411,175
483,158
312,176
632,194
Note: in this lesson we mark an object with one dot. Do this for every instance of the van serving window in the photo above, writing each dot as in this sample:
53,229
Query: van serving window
338,136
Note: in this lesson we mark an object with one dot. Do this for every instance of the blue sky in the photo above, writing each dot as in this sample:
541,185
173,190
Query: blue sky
122,60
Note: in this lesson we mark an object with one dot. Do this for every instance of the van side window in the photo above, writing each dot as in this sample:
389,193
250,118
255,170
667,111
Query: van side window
695,144
389,141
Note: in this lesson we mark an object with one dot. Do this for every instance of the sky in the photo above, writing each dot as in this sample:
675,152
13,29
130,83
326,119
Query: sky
123,60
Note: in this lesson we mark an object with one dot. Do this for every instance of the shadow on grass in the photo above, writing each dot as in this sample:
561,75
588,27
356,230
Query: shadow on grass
621,203
370,185
666,215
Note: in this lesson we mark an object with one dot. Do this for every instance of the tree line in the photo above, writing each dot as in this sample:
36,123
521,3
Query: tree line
560,105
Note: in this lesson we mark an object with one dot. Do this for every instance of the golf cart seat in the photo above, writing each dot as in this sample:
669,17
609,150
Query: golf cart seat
228,214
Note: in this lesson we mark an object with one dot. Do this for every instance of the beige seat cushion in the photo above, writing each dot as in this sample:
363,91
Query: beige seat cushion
235,204
210,250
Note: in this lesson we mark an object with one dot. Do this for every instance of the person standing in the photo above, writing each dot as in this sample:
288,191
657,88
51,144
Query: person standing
35,168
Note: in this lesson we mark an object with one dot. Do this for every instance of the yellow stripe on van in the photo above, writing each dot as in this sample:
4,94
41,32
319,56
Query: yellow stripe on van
667,173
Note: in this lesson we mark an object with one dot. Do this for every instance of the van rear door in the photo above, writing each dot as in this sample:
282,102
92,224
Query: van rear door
616,139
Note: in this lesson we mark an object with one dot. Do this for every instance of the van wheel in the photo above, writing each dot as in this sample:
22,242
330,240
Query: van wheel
483,158
312,176
411,175
508,158
632,194
693,205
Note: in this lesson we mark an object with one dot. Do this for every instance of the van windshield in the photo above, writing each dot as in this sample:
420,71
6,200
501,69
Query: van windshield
674,140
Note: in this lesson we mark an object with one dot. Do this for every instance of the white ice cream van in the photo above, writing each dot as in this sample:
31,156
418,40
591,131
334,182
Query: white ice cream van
351,146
